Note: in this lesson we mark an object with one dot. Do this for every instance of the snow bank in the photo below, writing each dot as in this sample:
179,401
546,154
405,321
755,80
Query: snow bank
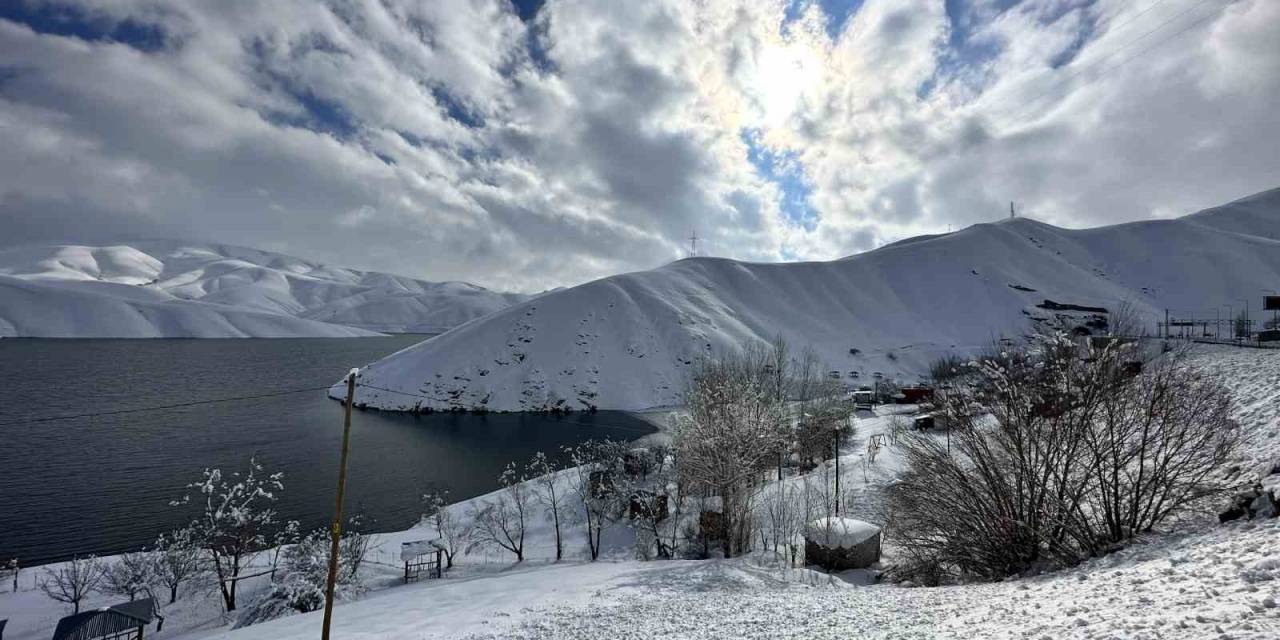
844,533
628,341
168,289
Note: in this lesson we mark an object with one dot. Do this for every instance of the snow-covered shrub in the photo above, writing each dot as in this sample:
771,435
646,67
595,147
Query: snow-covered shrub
235,520
300,582
1057,452
73,581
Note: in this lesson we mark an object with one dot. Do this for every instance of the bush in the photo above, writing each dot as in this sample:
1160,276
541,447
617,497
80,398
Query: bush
1057,453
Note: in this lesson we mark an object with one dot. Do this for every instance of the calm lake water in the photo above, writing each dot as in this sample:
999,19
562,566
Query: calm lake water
103,484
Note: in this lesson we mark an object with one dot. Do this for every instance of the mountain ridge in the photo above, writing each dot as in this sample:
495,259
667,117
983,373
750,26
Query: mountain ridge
160,288
627,341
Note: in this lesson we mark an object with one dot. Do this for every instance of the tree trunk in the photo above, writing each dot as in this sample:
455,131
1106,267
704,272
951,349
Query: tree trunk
173,593
555,513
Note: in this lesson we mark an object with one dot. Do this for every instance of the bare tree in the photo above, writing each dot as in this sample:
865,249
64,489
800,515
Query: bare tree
596,478
11,569
730,434
1059,451
235,521
129,575
177,559
286,535
73,581
502,520
1153,450
551,494
453,534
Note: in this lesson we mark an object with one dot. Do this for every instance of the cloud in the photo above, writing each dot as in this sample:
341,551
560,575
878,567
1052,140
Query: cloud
460,139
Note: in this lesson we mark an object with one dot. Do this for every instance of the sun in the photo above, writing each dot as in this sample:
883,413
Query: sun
783,75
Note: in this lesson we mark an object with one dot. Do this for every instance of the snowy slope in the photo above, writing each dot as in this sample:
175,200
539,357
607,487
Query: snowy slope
170,289
627,341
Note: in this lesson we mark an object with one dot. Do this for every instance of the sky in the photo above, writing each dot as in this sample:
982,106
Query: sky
529,145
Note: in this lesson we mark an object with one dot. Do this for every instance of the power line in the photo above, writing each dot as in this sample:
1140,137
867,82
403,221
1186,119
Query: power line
162,407
1007,106
1029,107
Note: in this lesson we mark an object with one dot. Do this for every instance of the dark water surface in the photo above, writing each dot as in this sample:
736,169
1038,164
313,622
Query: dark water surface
103,484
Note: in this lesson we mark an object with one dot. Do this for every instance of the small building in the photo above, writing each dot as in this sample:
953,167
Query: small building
917,395
836,544
124,621
422,558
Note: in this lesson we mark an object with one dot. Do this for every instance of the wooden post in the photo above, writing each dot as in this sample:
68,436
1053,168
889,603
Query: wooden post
837,448
336,535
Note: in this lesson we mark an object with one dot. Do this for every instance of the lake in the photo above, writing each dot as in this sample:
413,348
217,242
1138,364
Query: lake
102,484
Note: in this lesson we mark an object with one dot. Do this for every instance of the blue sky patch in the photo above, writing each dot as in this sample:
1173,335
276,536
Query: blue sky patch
78,23
838,13
456,109
527,9
784,170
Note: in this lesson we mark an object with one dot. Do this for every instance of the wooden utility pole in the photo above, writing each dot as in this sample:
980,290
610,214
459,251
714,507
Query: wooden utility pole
337,511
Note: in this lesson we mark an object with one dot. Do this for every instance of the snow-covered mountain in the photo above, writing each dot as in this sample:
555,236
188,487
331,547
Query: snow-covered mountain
627,341
172,289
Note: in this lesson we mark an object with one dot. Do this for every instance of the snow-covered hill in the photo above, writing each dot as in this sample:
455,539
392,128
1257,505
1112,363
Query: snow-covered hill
627,341
171,289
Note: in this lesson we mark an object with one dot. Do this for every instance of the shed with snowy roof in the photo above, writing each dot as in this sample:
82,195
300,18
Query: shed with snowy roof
837,544
124,621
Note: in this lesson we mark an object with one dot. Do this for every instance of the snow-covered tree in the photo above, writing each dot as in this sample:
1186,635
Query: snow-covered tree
595,479
178,558
501,521
731,432
235,520
551,494
299,585
72,581
450,529
128,575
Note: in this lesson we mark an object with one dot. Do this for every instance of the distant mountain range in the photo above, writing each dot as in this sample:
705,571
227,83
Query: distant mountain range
628,341
160,289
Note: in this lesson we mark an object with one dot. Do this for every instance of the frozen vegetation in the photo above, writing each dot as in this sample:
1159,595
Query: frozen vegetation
628,341
165,289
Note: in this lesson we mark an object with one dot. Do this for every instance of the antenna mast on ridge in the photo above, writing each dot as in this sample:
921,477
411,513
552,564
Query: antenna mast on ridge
693,244
1011,213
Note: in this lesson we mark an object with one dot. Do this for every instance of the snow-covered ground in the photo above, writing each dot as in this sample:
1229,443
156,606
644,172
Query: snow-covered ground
1198,580
627,341
171,289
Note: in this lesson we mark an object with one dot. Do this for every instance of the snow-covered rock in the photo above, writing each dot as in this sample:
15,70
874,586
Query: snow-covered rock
843,533
172,289
628,341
